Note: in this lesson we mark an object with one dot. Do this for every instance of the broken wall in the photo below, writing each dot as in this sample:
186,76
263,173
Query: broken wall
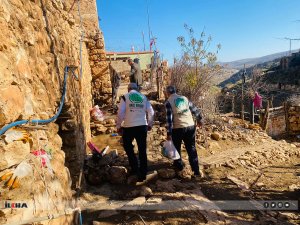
293,119
277,123
284,120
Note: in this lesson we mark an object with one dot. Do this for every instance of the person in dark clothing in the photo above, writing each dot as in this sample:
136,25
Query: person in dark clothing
137,61
181,127
135,73
115,83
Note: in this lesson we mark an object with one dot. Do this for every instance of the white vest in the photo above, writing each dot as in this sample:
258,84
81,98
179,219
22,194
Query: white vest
136,109
182,116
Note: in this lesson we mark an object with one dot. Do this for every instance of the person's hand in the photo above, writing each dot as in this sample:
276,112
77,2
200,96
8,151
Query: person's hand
149,128
169,137
120,131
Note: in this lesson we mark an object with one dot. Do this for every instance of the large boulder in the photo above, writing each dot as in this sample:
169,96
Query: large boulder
117,175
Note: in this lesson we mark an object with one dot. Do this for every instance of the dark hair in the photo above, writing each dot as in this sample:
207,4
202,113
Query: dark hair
171,89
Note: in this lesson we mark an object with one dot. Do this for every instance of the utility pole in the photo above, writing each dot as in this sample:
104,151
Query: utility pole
144,40
233,93
291,39
242,102
148,23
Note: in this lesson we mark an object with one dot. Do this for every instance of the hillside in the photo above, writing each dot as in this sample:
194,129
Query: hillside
239,64
223,75
238,75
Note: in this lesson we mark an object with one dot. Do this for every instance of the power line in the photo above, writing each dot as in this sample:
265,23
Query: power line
290,40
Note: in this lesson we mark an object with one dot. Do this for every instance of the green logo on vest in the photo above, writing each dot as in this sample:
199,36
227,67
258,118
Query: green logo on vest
135,98
180,103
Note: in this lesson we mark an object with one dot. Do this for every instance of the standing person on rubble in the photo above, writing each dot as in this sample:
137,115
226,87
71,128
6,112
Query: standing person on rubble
135,73
115,84
137,114
181,127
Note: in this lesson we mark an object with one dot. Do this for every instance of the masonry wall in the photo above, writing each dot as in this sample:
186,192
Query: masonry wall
293,119
101,82
284,121
277,123
38,39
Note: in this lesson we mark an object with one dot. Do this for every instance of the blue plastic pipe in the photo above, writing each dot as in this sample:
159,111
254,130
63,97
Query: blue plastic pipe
36,121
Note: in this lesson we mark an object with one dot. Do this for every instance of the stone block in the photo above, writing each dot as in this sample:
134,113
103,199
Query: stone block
118,174
166,173
11,104
216,136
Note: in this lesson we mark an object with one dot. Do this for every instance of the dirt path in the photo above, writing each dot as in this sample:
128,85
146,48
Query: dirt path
270,169
245,166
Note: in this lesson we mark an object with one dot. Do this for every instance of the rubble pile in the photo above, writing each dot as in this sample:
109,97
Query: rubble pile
247,134
99,170
159,109
108,126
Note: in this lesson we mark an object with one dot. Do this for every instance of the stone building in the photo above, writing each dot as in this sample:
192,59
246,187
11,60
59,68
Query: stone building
38,39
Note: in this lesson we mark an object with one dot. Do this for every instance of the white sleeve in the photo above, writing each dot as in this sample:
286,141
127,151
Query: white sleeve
121,113
150,113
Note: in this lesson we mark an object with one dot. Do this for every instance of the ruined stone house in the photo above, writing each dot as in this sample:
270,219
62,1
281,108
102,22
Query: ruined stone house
283,120
38,39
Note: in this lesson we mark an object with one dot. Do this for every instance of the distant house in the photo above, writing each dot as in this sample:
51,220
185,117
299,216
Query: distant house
119,59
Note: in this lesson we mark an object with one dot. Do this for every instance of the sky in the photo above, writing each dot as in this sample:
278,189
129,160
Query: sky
244,28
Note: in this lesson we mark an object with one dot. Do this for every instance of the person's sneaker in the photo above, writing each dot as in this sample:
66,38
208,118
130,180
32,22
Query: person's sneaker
141,178
177,166
198,177
132,179
183,174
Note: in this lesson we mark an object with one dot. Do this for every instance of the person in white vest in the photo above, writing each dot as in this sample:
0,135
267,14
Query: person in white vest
135,119
181,127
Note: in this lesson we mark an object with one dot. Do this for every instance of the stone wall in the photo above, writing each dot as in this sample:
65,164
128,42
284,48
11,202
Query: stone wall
284,120
293,119
121,66
101,83
89,14
277,123
38,39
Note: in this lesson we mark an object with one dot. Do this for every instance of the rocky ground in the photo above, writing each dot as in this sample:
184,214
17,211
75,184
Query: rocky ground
240,162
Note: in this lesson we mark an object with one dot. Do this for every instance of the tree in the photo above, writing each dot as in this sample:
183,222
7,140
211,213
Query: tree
257,83
192,73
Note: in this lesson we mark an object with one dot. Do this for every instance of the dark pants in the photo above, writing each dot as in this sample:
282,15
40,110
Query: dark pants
187,135
138,133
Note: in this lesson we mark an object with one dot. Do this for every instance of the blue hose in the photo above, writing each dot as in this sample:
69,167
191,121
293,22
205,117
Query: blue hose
80,218
36,121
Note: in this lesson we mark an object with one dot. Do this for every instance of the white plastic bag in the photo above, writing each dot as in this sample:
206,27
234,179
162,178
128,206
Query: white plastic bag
13,135
170,151
96,113
23,169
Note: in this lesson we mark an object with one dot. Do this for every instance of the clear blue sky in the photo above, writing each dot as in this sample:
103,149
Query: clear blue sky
244,28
